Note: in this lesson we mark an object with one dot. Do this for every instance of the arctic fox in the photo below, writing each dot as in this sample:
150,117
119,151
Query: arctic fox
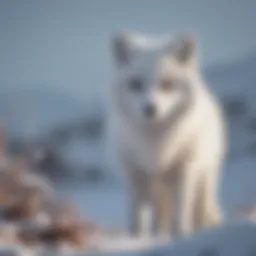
167,132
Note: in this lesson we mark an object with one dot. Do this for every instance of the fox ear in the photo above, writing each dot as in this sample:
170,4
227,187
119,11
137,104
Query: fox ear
122,47
184,49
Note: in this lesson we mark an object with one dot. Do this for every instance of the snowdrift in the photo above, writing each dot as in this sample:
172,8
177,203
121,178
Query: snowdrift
231,239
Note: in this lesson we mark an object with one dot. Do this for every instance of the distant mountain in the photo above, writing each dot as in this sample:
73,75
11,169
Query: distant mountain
34,111
235,85
234,78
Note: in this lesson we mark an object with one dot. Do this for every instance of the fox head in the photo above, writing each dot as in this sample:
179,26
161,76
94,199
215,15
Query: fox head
153,78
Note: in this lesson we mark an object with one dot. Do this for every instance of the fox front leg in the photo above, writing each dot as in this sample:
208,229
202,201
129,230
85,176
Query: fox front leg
141,206
162,208
184,192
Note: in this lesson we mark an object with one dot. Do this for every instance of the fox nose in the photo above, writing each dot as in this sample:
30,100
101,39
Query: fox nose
150,110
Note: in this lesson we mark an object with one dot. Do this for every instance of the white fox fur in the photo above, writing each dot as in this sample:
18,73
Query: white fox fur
172,151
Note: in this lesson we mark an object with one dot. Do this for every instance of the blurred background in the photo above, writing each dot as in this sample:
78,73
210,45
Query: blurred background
55,65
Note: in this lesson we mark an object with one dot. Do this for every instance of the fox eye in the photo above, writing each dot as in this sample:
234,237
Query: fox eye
136,84
167,85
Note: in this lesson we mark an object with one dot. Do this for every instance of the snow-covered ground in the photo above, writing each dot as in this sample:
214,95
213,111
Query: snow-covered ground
232,239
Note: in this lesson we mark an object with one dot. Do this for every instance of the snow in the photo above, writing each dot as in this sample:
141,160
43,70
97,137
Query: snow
231,239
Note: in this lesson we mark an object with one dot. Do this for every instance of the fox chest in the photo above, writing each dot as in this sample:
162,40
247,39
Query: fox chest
147,155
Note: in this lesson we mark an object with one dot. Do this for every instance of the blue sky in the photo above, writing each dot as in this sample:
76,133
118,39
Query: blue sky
63,44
